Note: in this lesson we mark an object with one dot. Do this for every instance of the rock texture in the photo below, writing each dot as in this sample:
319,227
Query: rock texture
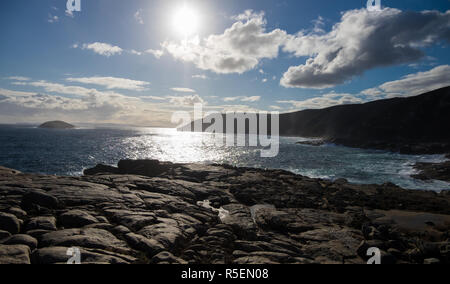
430,171
152,212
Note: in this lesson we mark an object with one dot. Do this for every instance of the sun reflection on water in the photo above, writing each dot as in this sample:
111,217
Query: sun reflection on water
180,147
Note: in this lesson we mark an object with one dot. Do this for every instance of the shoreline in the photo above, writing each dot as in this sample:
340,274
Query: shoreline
154,212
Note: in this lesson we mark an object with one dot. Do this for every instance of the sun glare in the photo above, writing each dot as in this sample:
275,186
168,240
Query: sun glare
185,21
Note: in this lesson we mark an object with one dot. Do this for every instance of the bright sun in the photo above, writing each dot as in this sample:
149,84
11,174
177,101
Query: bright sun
185,21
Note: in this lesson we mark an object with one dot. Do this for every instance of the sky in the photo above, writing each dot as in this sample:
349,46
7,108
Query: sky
137,62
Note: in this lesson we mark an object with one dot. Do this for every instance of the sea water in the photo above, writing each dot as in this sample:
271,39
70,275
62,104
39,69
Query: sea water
69,152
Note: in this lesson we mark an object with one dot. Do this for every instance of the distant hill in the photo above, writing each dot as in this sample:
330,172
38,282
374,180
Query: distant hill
56,125
419,124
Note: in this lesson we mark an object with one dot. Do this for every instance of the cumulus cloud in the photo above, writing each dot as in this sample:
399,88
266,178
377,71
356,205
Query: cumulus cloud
113,83
155,52
101,48
237,50
409,85
43,101
10,93
361,41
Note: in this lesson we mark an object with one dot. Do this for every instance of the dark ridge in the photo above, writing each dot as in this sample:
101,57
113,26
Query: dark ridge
417,124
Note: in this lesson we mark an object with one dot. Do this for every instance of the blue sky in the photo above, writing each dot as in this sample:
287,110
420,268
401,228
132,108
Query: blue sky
126,62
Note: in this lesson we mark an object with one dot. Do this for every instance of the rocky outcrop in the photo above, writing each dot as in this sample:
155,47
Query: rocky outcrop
152,212
431,171
56,125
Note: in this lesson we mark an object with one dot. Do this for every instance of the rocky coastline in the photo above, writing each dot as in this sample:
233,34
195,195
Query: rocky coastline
436,171
163,213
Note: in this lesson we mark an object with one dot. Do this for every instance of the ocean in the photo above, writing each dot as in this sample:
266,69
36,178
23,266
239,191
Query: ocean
69,152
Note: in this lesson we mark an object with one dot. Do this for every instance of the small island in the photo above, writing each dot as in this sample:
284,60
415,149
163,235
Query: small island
56,125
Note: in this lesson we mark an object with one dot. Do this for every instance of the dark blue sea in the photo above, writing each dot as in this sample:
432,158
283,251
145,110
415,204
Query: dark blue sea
69,152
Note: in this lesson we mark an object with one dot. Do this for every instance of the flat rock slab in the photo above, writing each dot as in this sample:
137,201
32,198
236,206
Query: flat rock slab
84,238
14,254
76,219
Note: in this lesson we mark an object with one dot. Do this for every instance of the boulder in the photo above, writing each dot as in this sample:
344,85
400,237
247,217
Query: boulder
23,240
40,198
76,219
14,254
18,212
150,168
42,223
101,169
4,235
10,223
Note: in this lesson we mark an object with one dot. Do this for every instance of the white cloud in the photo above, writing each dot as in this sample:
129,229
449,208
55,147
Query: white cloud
18,78
183,90
9,93
155,98
155,52
203,77
65,90
251,99
113,83
237,50
361,41
324,101
410,85
52,19
187,100
135,52
264,80
138,17
242,99
413,84
104,49
231,99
